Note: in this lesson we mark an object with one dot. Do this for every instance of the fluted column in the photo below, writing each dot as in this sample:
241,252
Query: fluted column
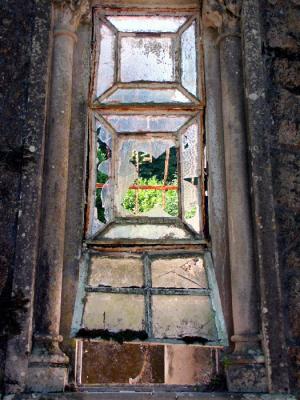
245,370
47,370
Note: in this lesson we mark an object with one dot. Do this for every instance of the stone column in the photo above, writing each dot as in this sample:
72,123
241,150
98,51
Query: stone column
47,369
245,372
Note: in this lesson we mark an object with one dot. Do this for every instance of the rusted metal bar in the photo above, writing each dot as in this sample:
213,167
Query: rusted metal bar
143,187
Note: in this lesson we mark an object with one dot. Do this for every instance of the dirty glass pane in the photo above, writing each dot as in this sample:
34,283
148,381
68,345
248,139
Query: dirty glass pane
114,363
111,271
178,273
183,317
190,173
147,59
146,123
188,60
190,365
105,75
146,23
146,182
114,312
104,187
141,95
146,231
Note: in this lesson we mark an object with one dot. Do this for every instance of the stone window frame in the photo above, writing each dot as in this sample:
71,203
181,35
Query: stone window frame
42,352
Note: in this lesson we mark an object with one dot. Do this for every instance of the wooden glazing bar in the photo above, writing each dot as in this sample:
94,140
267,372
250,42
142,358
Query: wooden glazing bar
152,291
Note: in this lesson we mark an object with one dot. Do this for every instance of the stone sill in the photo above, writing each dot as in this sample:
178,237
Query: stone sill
148,396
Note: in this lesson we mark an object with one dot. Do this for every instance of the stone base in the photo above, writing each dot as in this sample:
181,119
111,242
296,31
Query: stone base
246,378
46,379
149,396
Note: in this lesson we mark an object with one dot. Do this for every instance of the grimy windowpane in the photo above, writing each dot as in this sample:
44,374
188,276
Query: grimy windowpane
146,231
188,60
190,175
106,65
114,312
112,271
147,23
113,363
178,273
147,59
143,95
183,317
146,123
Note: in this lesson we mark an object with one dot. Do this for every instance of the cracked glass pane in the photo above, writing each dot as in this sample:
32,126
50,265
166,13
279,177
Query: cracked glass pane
144,95
113,271
146,182
147,123
114,312
188,59
106,65
183,317
147,59
178,273
190,174
146,23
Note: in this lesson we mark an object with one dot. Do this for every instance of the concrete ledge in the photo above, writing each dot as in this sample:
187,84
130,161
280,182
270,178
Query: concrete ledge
148,396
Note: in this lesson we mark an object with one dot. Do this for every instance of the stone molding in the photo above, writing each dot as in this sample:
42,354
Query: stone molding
223,15
68,13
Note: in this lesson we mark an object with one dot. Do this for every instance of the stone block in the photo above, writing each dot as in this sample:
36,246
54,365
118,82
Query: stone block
46,379
293,293
246,378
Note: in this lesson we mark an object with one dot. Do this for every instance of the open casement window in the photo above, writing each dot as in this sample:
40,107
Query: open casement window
146,273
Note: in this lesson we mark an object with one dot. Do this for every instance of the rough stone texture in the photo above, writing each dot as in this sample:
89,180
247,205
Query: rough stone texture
281,53
246,378
54,379
24,31
150,396
22,107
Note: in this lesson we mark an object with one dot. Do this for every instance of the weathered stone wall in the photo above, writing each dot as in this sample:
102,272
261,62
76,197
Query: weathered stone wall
22,125
282,56
24,35
16,23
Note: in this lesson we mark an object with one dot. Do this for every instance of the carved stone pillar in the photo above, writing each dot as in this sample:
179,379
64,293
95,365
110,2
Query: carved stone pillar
47,369
245,369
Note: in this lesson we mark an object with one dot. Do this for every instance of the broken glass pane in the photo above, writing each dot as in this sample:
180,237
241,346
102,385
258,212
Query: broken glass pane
113,363
147,178
104,187
146,231
191,204
190,172
146,123
114,312
143,95
178,273
147,59
188,60
105,75
146,23
183,317
112,271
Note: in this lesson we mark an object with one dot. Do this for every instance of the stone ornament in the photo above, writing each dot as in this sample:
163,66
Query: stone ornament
68,13
222,14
